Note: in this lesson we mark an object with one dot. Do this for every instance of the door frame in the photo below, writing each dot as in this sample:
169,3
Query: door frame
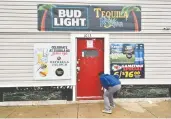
74,38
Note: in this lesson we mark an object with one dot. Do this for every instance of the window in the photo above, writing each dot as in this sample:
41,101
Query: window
89,53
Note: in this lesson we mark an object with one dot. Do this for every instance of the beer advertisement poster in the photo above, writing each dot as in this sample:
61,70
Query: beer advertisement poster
127,60
53,17
52,61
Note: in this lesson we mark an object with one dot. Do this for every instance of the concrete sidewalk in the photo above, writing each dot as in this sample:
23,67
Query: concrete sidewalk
141,109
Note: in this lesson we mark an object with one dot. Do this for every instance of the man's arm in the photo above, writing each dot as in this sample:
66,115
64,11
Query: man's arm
116,76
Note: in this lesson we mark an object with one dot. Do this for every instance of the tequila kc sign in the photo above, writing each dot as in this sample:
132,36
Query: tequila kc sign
88,18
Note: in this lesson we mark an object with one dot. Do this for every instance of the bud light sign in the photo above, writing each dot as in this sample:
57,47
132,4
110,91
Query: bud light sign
69,17
61,17
127,60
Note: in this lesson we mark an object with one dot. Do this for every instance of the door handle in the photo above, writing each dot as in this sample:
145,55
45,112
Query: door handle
78,80
78,68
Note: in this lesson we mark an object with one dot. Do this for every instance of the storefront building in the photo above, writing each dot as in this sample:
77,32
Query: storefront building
67,43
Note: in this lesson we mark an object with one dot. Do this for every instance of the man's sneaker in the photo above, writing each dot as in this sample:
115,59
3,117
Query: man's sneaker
107,111
112,106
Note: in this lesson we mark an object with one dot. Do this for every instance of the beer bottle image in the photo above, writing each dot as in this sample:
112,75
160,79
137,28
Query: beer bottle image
136,53
141,53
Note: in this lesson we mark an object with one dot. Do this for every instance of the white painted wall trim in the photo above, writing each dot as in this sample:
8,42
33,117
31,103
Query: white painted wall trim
74,55
9,84
55,102
146,81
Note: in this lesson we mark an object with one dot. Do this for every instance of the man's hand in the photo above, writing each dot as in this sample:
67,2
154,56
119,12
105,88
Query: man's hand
102,88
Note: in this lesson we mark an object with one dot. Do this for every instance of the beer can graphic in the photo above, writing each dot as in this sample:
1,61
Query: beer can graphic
136,55
141,53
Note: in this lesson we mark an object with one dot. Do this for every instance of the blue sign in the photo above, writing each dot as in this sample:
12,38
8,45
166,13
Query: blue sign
67,17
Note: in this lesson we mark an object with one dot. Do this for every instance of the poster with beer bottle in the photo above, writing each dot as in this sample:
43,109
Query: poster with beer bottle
52,61
127,60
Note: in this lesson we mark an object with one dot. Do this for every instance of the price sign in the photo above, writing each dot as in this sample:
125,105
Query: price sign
128,74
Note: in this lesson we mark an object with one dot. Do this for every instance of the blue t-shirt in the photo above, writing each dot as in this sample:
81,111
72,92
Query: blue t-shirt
109,80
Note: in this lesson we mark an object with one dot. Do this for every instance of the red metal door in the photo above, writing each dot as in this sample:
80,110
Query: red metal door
90,61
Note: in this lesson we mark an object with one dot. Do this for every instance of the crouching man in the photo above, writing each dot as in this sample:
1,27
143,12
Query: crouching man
112,85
